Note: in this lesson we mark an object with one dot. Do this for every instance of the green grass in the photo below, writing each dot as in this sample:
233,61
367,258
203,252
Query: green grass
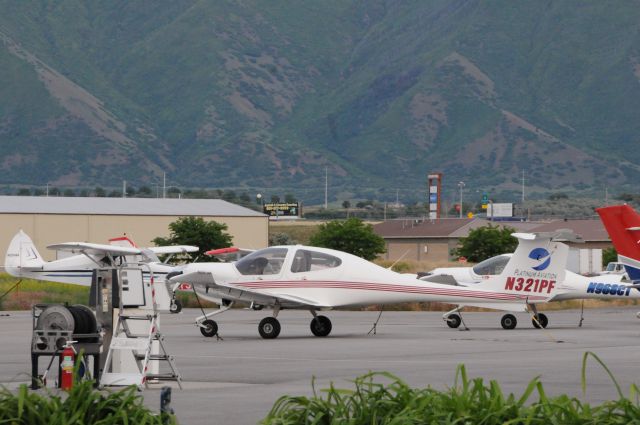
382,398
31,291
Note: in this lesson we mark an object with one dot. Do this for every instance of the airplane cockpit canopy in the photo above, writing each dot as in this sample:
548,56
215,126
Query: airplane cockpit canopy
492,266
308,261
262,262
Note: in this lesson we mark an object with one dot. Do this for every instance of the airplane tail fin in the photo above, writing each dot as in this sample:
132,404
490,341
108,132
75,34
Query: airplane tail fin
22,255
123,241
536,267
623,225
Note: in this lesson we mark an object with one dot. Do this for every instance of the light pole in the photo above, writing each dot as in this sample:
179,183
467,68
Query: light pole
461,186
260,202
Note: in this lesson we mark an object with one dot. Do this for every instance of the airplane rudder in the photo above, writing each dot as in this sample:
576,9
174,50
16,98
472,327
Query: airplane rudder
22,252
622,223
12,258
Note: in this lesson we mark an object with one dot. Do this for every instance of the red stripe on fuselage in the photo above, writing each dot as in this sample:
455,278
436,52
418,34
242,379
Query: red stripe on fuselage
371,286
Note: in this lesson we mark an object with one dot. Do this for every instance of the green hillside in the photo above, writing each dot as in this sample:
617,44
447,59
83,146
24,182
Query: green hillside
258,95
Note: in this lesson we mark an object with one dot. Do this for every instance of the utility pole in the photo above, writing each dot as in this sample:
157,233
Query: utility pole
164,185
326,186
461,186
523,188
124,188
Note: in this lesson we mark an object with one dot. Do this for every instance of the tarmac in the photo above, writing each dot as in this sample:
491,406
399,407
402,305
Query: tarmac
237,379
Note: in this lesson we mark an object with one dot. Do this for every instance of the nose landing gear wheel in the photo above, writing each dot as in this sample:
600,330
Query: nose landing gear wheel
453,320
321,326
209,328
269,328
542,319
176,306
509,321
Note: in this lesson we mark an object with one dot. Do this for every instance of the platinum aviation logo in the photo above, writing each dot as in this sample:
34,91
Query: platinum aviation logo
540,254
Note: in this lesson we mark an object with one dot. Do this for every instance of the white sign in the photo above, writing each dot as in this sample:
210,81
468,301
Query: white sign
500,210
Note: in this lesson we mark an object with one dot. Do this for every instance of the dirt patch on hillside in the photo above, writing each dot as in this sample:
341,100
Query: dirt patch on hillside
246,108
429,113
485,83
76,100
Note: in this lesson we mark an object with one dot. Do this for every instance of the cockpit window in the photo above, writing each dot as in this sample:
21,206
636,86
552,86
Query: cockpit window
309,261
491,266
263,262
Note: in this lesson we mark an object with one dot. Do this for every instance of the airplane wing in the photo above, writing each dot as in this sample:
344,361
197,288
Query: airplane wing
95,249
175,249
206,279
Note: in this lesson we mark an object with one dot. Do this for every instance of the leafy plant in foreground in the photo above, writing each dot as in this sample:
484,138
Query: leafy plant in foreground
83,405
469,401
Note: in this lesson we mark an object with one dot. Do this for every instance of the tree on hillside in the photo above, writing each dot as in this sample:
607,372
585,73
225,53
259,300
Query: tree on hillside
485,242
352,236
206,235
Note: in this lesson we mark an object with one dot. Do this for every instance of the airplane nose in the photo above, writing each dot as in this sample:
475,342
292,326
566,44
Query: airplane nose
174,274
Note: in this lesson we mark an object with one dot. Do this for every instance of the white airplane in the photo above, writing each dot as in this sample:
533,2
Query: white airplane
23,260
316,279
573,287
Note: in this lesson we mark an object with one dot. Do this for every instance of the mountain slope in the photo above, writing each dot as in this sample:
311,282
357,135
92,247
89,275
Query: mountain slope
255,95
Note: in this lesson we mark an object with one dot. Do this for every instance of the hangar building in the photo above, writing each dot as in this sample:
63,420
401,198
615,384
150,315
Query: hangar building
49,220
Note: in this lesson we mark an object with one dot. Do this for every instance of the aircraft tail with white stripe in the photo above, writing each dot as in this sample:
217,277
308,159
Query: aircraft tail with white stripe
535,269
23,260
623,225
22,255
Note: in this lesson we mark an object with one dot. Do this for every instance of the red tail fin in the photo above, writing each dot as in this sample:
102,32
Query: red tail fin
623,225
122,241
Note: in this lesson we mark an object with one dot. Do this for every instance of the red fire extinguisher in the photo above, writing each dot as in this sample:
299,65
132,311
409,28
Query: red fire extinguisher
67,362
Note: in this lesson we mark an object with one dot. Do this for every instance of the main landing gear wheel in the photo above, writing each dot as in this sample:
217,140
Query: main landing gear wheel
269,328
176,306
453,320
321,326
509,321
542,319
209,328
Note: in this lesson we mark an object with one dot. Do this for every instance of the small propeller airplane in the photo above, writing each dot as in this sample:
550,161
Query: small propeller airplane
23,260
574,286
623,225
318,279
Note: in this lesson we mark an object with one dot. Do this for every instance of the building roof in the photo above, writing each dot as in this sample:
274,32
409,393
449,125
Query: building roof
420,228
520,226
122,206
590,230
